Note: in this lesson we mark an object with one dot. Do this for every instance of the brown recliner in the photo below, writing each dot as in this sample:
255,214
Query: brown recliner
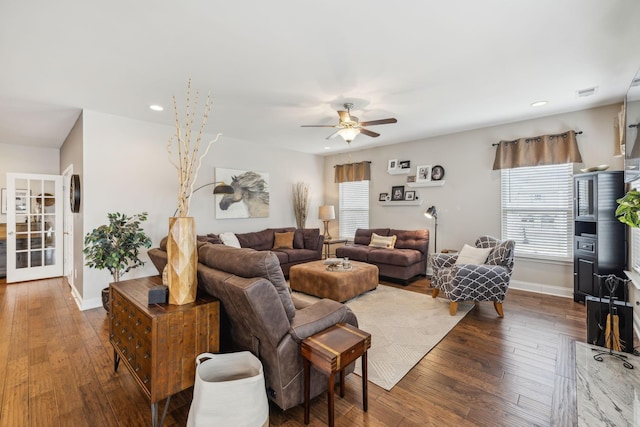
262,317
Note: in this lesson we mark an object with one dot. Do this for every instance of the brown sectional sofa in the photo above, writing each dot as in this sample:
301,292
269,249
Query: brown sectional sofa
406,260
307,244
260,315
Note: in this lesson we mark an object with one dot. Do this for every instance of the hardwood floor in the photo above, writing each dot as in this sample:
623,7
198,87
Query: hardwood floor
56,368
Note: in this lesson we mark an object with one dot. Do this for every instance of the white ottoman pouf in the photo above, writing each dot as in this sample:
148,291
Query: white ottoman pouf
229,390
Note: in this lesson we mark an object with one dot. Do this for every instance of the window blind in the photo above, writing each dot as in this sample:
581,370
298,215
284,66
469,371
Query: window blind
537,210
353,207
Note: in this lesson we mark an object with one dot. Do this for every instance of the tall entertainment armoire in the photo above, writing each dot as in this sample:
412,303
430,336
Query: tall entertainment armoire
599,238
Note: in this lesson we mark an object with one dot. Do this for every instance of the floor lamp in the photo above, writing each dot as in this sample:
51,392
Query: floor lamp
431,213
218,189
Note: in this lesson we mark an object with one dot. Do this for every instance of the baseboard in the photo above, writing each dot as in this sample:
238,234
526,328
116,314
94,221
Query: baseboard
541,288
85,304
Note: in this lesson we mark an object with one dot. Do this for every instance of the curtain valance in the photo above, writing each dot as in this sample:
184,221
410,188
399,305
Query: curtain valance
537,151
350,172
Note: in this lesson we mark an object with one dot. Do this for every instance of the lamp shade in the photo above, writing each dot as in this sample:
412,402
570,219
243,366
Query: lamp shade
326,213
431,212
348,133
223,188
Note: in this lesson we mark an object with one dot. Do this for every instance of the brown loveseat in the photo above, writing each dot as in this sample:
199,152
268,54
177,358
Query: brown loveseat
259,315
407,259
307,244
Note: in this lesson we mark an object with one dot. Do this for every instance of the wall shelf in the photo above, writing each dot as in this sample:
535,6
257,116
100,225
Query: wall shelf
402,203
399,171
425,184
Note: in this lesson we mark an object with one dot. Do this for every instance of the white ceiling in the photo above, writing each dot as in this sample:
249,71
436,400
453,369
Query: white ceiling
438,67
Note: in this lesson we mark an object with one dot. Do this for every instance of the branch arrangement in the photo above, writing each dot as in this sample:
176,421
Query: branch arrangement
301,203
188,162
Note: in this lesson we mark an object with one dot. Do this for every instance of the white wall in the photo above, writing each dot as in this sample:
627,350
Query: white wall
469,203
26,159
126,169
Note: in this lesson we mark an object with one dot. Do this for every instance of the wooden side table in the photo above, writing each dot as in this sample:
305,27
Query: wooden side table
159,343
331,351
328,243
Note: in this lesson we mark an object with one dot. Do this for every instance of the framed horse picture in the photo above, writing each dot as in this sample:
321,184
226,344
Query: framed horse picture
250,198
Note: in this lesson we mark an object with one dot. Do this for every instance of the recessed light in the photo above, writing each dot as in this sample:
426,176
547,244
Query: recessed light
156,107
586,92
327,148
539,103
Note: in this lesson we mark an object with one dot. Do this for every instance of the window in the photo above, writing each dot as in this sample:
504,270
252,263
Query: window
537,210
354,207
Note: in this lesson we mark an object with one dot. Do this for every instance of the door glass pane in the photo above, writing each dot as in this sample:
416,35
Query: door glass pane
36,258
49,257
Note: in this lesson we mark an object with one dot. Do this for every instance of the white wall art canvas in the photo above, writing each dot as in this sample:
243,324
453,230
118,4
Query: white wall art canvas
251,196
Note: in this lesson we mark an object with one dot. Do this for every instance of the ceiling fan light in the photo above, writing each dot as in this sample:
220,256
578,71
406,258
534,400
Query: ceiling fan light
348,134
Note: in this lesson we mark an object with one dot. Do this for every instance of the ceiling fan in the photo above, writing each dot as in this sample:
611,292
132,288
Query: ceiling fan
350,127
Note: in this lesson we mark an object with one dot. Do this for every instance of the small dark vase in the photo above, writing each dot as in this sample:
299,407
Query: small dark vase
105,299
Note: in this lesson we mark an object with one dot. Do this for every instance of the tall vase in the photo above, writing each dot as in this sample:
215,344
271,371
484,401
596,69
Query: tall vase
182,262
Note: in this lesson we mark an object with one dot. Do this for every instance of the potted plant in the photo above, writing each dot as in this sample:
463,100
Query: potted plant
116,247
628,208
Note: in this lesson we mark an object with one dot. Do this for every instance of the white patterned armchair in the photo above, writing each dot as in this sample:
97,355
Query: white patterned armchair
469,282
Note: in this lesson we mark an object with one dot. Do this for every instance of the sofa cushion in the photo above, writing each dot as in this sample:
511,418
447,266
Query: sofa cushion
363,235
282,255
355,252
229,239
283,240
298,239
311,238
297,255
214,238
401,257
472,255
247,262
258,240
382,241
411,239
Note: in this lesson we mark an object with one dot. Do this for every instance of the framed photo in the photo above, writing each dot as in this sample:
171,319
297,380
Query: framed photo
423,173
405,164
411,178
410,195
397,193
393,164
383,197
22,198
437,173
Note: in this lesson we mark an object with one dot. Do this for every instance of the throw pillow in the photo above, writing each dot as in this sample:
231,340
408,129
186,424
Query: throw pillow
471,255
378,241
229,239
283,240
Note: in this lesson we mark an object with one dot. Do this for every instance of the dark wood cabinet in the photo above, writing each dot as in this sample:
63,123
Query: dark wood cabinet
158,343
599,238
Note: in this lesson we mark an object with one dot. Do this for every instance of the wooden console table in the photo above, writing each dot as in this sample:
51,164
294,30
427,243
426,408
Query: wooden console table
159,343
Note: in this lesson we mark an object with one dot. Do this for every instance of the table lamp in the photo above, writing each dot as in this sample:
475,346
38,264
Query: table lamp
326,214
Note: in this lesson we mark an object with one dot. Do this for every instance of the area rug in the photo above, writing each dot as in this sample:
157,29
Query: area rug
404,327
608,393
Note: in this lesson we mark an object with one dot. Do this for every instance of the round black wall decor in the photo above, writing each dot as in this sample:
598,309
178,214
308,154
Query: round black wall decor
74,193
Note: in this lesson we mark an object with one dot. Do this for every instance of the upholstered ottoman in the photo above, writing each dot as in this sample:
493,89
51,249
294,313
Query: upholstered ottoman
313,278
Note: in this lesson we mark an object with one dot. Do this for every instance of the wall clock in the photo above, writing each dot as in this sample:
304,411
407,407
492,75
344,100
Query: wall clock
74,193
437,173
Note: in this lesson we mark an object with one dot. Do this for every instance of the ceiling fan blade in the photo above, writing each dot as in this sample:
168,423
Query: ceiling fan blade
369,133
319,126
379,122
333,135
344,116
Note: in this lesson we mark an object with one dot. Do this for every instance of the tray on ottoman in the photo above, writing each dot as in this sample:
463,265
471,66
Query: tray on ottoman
313,278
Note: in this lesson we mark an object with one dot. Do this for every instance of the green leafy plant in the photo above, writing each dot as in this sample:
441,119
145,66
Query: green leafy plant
628,208
115,246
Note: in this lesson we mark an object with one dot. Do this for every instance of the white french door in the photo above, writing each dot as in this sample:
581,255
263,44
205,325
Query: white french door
34,226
